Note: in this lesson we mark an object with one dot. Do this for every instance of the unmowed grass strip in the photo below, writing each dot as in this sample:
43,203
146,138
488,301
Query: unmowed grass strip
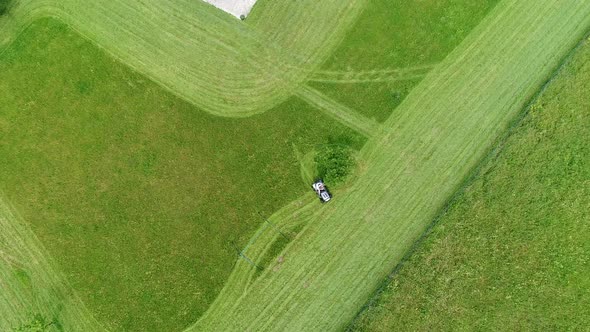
440,133
390,39
512,251
135,193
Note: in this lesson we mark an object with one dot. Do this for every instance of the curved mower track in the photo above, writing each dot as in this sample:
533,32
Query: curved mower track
222,65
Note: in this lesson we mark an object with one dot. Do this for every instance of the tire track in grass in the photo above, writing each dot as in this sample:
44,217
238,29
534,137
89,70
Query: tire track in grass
441,131
291,216
371,76
341,113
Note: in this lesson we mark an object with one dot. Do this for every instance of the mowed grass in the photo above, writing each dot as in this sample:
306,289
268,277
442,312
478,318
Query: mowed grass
391,37
424,154
135,193
512,252
220,64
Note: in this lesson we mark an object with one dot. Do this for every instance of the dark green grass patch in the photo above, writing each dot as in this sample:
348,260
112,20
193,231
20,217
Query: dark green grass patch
38,323
395,34
334,163
511,254
4,5
134,192
398,35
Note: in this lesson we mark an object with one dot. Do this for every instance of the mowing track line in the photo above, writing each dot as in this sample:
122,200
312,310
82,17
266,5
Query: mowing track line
339,112
371,76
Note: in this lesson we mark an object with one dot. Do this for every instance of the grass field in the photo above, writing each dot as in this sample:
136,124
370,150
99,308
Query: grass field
144,191
118,171
155,272
391,48
438,135
512,251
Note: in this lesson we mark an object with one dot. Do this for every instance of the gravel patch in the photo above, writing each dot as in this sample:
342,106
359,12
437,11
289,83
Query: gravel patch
236,8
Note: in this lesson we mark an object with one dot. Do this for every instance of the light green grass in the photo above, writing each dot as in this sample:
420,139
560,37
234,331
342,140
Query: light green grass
435,139
134,192
512,252
222,65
